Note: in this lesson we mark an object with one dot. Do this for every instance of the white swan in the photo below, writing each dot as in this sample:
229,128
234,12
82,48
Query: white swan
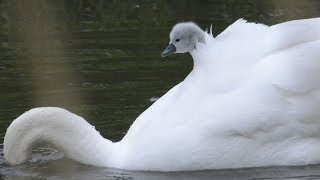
252,99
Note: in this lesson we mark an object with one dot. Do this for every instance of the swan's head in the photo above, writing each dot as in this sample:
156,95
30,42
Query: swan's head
184,38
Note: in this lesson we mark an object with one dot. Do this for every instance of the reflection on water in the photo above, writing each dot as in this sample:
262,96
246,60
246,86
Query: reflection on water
101,60
67,169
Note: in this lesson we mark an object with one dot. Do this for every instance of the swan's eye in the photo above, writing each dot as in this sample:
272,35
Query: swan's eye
177,40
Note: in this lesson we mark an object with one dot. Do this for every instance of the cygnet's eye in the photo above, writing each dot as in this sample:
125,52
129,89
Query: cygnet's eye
177,40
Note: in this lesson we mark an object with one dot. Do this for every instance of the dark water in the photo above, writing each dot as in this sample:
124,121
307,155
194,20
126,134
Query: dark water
101,60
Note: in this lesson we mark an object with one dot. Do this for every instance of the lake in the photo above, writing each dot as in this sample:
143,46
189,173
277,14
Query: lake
101,60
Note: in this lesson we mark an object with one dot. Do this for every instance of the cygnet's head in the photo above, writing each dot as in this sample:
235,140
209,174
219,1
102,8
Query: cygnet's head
184,38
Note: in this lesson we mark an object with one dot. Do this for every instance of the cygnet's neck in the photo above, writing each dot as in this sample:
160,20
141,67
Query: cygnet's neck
203,65
200,52
199,70
200,62
196,62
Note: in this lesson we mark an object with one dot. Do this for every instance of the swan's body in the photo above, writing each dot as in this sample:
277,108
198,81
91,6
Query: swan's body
252,99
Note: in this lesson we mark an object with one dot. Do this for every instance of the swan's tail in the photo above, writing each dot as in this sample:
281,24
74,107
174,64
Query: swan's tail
67,132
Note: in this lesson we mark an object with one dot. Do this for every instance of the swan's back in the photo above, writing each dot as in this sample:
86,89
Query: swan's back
245,34
244,53
251,84
228,60
292,33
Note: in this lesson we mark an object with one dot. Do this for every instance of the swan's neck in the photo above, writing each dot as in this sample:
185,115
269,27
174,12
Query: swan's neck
199,67
67,132
201,56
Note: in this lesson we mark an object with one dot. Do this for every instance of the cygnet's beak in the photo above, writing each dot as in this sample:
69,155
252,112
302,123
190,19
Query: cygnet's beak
169,50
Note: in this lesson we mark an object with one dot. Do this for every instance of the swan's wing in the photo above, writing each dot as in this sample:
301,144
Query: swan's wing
243,45
281,99
295,70
292,33
240,29
242,42
293,63
273,38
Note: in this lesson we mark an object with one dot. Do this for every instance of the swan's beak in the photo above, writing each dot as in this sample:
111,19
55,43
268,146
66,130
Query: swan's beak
169,50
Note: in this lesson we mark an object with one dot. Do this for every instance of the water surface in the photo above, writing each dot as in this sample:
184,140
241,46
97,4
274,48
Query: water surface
101,60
